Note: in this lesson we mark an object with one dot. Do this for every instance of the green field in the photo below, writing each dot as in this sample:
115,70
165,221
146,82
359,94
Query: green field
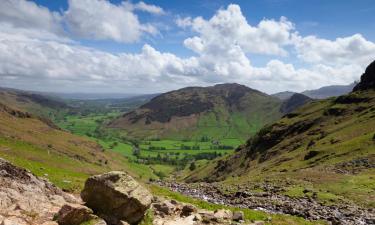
156,158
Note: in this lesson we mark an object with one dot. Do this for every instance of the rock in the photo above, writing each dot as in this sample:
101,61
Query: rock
25,197
50,223
13,221
117,195
74,214
367,79
164,208
223,214
259,223
207,216
188,209
238,216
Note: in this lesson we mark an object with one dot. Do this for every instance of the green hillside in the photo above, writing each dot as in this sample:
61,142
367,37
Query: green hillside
217,112
327,146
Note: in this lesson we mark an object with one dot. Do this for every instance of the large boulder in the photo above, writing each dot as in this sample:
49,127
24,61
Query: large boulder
116,196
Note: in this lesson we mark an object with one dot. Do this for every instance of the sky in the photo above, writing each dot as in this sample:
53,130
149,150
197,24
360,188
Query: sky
116,46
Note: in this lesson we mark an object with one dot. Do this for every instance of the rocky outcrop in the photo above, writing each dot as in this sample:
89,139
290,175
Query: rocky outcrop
367,79
116,196
27,199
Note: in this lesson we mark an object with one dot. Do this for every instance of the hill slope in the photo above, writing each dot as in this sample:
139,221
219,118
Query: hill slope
294,102
67,160
220,111
327,146
35,103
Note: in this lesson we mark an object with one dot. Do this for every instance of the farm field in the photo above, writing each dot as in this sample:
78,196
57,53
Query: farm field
149,158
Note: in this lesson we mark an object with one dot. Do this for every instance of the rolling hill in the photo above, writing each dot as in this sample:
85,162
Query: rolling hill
327,146
220,111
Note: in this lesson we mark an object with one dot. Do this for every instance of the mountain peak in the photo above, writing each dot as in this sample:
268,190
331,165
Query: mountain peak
367,79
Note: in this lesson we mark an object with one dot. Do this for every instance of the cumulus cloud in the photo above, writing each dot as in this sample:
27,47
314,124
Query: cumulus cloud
229,28
27,14
102,20
222,45
354,49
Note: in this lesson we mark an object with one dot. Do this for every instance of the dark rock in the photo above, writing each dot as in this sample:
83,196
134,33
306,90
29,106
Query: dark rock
187,210
367,79
238,216
74,214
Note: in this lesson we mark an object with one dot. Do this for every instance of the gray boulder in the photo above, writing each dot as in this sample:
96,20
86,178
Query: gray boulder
116,196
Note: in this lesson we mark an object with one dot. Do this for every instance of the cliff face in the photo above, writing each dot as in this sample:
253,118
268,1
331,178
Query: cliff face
367,79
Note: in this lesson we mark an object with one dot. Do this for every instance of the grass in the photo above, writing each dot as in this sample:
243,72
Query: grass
61,170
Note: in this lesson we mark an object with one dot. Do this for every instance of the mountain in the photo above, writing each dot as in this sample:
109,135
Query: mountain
38,104
220,111
283,95
294,102
326,146
329,91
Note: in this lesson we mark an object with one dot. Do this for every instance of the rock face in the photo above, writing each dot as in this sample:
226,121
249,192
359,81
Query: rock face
26,199
116,196
367,79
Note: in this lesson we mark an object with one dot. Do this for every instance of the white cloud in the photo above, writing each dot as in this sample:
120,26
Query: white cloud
348,50
35,55
102,20
27,14
148,8
229,28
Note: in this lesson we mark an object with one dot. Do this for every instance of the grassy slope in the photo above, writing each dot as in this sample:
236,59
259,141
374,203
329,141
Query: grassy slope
39,105
67,160
339,132
222,122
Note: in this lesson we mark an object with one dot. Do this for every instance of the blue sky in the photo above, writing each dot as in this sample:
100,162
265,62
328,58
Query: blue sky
326,19
152,46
